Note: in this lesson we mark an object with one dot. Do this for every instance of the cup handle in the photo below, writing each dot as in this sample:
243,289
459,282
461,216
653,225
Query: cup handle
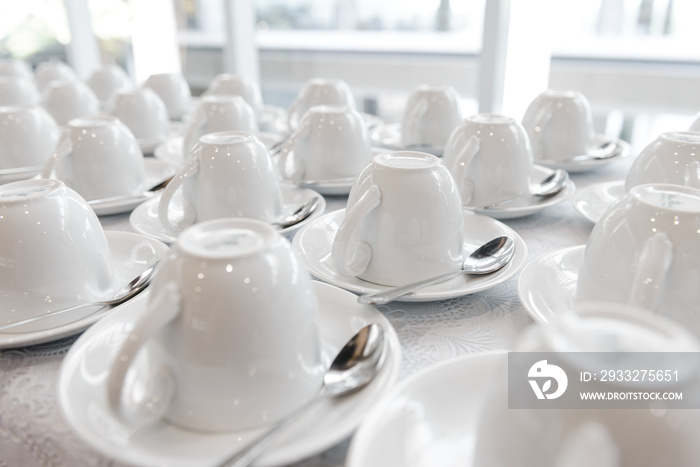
190,169
652,266
194,133
291,167
541,119
351,259
692,174
63,148
164,309
459,169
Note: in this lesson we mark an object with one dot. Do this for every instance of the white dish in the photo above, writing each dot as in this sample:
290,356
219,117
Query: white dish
18,173
622,150
547,285
389,136
592,202
131,254
429,419
156,171
314,243
144,219
82,390
530,205
171,149
330,187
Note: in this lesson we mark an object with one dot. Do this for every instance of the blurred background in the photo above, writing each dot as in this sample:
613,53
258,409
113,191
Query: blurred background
637,61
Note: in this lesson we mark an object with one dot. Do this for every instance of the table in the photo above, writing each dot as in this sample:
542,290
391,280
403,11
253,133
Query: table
33,432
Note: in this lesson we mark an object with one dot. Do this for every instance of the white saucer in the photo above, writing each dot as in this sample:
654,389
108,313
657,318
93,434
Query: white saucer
314,243
131,254
156,172
19,173
144,219
430,418
530,205
389,136
171,149
547,285
622,149
592,202
330,187
82,380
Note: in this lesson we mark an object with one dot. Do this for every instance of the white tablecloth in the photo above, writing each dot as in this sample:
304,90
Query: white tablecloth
33,432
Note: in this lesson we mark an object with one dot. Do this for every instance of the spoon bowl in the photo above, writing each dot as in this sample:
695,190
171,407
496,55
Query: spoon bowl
549,186
354,367
130,290
488,258
144,196
301,213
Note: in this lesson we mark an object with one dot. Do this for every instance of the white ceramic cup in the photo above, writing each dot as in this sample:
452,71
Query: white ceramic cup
319,91
108,79
644,252
98,157
508,437
16,67
66,100
403,221
234,314
218,113
28,136
330,142
673,158
430,115
226,84
228,174
53,249
175,92
490,159
53,70
559,125
16,90
143,112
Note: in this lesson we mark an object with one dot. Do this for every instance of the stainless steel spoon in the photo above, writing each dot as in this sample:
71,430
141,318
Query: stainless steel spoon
550,186
301,213
130,290
607,150
142,196
354,367
488,258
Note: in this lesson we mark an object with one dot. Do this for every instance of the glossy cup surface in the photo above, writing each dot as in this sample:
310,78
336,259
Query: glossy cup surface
644,252
559,125
98,157
28,136
216,113
673,157
490,158
403,221
430,115
66,100
244,348
53,251
143,112
226,84
320,91
173,89
330,142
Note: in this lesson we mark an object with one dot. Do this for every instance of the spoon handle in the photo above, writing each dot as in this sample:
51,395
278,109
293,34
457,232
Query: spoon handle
256,446
380,298
51,314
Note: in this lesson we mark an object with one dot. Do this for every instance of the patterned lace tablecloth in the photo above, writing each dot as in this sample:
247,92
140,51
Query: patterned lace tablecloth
34,433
